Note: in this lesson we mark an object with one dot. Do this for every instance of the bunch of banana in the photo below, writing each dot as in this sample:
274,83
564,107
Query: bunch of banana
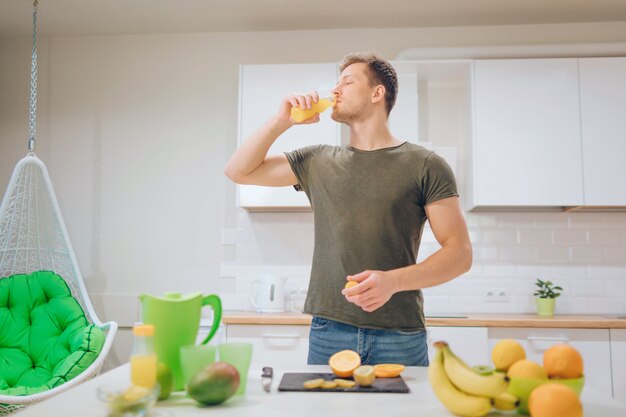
467,391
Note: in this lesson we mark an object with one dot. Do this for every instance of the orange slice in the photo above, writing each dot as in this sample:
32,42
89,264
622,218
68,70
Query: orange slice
350,284
343,363
388,370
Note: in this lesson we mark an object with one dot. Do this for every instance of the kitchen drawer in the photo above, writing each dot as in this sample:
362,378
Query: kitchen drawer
593,345
470,343
273,345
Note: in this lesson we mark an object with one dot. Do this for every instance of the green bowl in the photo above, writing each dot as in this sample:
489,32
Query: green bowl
522,387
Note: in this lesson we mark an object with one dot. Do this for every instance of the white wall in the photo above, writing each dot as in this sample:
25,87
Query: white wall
136,130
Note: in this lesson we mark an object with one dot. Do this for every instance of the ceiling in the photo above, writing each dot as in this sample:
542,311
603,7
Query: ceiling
111,17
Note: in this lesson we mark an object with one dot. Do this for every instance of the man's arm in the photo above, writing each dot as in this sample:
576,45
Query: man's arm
453,259
250,163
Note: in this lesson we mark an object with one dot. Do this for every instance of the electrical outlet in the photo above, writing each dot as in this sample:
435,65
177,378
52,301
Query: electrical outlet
496,295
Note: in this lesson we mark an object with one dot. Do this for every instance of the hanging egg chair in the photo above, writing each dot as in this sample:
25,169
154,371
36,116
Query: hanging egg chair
50,336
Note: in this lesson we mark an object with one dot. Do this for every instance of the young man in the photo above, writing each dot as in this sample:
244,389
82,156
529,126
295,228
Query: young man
370,201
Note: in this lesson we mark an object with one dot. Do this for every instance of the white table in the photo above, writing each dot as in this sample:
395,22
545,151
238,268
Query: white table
81,401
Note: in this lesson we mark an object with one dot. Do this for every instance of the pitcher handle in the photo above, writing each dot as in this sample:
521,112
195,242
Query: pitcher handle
216,304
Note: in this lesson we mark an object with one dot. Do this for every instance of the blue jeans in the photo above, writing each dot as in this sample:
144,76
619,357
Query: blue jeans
375,346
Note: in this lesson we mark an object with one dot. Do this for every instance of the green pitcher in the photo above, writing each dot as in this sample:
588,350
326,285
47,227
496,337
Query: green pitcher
176,319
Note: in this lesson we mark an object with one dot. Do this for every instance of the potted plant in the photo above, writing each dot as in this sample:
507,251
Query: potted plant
546,296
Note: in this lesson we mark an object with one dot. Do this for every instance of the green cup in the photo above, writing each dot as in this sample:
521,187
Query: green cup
238,355
193,358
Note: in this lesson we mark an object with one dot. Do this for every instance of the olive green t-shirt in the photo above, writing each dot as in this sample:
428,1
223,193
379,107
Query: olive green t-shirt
368,209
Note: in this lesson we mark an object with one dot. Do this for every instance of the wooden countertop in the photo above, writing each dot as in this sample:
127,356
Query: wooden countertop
471,320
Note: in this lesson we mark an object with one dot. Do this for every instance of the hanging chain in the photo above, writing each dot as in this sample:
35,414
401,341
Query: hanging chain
33,84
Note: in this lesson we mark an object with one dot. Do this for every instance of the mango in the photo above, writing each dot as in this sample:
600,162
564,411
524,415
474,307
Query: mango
214,384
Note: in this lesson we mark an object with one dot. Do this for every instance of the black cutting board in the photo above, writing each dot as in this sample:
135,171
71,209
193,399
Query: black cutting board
295,382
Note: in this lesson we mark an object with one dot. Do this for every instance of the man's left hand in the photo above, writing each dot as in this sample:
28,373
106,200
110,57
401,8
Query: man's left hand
374,289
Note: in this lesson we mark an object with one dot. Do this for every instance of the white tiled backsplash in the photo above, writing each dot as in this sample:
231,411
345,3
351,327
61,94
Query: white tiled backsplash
585,253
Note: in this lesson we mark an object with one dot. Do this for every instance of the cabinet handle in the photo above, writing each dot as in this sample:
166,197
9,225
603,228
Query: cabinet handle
283,341
534,340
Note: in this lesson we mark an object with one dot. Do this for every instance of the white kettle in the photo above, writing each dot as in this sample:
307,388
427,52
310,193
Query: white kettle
268,295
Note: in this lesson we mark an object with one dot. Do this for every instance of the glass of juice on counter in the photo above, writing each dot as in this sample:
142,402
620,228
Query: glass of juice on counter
143,359
300,115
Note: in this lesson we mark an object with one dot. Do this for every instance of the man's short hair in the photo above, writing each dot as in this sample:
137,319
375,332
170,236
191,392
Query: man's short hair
379,71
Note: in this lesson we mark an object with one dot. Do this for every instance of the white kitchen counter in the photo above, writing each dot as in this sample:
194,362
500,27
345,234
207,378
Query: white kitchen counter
81,401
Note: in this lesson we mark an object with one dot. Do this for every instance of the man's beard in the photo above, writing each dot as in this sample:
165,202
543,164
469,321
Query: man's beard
342,116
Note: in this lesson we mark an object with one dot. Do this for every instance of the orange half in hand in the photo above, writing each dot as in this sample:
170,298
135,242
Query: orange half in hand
344,363
350,284
388,370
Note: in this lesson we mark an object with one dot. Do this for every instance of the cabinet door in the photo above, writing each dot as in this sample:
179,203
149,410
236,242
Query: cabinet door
526,141
283,346
618,361
470,343
593,345
603,110
261,89
403,119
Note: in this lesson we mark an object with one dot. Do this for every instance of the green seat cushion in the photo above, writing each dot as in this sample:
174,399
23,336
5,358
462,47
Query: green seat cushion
45,338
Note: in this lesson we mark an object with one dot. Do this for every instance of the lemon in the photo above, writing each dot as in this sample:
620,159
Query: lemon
135,393
364,375
345,383
313,383
506,352
527,369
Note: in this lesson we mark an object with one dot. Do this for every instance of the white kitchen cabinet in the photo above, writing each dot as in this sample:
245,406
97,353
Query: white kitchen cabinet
603,106
261,89
403,119
618,362
593,345
470,343
526,144
287,345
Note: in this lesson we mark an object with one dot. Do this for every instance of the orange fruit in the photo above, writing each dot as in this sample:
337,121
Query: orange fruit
505,353
388,370
554,400
563,361
350,284
344,363
527,369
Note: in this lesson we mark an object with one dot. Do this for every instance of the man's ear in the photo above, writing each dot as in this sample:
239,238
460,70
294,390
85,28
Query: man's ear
378,94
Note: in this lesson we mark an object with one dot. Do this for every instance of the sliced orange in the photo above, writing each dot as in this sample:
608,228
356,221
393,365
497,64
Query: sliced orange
350,284
388,370
343,363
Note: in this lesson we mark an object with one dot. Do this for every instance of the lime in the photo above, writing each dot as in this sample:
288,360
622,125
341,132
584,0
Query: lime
165,379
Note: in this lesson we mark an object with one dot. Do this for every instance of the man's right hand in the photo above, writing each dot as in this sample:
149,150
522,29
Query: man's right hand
303,101
250,164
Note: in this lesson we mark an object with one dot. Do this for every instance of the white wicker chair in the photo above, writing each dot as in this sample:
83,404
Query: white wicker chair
33,237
